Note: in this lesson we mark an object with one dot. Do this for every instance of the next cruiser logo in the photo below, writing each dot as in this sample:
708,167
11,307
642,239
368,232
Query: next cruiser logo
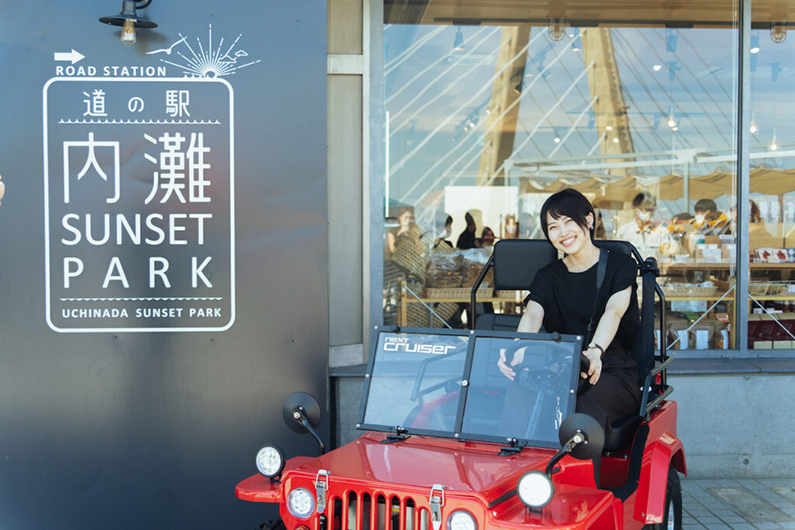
405,345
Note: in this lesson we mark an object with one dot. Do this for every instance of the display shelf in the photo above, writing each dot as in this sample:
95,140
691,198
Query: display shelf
722,265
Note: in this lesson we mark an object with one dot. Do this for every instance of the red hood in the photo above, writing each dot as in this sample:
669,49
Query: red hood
420,462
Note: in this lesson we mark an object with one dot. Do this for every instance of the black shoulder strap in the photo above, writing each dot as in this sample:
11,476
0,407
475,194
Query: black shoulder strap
601,269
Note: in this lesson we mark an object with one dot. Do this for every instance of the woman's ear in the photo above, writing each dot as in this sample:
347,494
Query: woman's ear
589,218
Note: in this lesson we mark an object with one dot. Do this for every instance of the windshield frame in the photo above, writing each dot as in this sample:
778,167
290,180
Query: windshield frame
472,339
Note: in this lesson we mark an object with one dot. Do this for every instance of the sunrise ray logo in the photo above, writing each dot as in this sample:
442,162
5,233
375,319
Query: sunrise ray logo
210,62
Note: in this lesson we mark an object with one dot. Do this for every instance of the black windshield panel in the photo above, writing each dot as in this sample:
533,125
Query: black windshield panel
529,408
415,382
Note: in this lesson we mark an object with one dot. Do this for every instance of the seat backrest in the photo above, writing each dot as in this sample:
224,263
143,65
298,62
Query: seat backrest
516,261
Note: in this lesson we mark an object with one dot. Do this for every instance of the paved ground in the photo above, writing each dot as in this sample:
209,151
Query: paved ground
739,504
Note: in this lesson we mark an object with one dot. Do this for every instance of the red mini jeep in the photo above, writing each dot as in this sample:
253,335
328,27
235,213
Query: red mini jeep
453,442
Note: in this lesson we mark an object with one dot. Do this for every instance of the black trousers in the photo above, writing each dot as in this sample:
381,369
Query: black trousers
613,397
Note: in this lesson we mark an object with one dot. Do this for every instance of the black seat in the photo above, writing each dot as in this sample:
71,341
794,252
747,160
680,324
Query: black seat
516,262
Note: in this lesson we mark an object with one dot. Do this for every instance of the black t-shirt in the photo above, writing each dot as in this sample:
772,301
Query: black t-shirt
568,299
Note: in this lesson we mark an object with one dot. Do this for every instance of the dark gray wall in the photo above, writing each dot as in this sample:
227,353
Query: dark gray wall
153,429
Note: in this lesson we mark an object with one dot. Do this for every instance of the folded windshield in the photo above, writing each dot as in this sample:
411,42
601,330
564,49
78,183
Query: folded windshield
448,383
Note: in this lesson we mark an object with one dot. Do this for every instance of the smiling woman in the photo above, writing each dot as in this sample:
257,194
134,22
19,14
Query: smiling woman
591,293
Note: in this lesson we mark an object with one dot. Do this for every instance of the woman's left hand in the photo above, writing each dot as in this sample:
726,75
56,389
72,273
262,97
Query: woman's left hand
595,370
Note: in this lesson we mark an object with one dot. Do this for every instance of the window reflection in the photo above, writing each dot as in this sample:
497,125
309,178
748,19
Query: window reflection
487,119
771,207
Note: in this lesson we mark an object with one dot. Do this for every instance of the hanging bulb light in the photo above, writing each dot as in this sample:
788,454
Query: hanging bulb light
671,40
773,145
672,121
753,129
556,31
755,42
778,32
576,43
128,20
458,42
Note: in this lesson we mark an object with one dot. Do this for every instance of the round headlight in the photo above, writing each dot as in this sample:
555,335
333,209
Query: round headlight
461,520
535,489
301,503
270,460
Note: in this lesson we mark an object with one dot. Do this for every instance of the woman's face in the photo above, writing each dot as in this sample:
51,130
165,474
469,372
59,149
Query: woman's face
510,227
405,220
566,235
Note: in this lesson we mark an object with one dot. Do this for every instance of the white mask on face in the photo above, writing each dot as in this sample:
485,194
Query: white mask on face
700,218
644,216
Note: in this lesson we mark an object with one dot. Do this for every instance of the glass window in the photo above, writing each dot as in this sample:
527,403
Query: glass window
771,208
491,107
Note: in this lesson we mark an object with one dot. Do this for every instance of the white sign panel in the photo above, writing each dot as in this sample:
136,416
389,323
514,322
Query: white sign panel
139,204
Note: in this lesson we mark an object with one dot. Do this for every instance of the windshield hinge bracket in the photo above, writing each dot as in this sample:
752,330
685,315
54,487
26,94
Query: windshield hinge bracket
399,436
512,449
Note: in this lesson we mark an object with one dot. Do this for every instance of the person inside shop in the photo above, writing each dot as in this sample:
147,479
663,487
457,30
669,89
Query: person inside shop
405,221
648,236
599,232
467,238
708,220
756,228
510,228
487,238
528,228
565,299
443,228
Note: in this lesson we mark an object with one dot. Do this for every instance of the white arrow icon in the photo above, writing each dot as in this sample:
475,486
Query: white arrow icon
74,56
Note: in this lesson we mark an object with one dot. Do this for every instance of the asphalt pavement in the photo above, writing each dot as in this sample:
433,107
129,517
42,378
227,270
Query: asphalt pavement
738,503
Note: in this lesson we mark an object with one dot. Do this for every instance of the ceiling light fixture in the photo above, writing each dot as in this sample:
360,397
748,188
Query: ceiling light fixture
755,42
556,31
778,32
128,20
671,39
576,43
458,42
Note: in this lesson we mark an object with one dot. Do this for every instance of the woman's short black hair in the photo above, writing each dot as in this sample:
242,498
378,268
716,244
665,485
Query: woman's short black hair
569,203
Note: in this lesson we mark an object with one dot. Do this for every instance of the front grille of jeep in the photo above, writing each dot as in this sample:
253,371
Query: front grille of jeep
362,511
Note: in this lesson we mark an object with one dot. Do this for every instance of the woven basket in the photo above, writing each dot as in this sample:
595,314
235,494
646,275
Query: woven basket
410,253
459,292
673,289
418,316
